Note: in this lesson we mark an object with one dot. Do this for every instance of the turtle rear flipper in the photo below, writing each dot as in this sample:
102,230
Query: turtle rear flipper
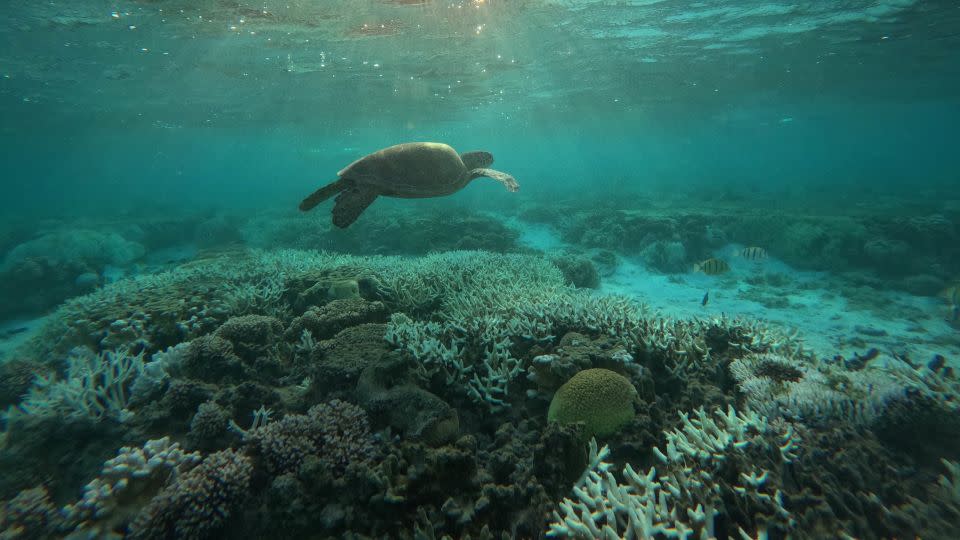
323,194
350,204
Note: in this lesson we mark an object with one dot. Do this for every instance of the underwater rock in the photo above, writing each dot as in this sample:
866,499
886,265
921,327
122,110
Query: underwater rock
344,289
577,352
16,377
559,458
844,464
36,284
245,397
43,272
888,256
319,287
336,363
600,398
325,321
922,427
534,212
63,452
768,298
78,247
173,411
87,281
252,336
715,236
184,396
211,358
415,413
208,427
924,234
577,271
387,392
217,231
921,284
606,262
665,256
871,331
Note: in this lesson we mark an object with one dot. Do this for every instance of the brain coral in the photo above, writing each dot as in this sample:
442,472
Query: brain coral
600,398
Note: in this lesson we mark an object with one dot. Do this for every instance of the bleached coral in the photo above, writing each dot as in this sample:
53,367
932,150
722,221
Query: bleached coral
814,391
683,498
97,386
942,386
488,304
158,370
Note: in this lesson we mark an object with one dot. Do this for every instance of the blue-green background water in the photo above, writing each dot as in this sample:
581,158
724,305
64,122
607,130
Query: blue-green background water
129,105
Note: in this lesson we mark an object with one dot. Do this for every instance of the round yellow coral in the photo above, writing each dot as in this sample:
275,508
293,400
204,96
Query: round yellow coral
600,398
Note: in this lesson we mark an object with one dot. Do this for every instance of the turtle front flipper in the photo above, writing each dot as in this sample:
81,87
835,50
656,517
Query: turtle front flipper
508,181
323,194
350,204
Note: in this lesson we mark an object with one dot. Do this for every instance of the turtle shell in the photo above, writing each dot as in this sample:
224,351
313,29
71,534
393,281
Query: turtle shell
410,170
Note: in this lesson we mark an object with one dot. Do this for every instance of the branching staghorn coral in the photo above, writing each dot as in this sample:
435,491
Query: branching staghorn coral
97,386
493,302
812,391
682,498
940,385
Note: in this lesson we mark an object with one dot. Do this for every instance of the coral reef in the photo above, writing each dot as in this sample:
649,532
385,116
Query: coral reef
389,231
887,246
415,402
58,265
684,497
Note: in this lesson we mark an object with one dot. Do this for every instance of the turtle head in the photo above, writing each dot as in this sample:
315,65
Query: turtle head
477,160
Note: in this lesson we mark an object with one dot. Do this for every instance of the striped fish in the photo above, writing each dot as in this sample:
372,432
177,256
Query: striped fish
711,267
753,253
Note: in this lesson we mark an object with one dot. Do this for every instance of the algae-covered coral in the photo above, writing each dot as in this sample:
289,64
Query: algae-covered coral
600,398
222,398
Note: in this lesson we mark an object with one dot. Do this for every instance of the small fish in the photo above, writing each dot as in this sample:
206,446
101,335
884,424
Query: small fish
753,253
706,298
711,267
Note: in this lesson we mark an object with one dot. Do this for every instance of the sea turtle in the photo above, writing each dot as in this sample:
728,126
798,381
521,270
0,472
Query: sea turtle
409,170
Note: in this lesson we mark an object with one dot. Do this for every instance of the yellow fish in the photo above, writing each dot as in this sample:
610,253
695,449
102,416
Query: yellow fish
753,253
711,267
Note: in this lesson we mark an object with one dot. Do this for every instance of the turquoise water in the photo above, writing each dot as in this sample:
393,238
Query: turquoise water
161,290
